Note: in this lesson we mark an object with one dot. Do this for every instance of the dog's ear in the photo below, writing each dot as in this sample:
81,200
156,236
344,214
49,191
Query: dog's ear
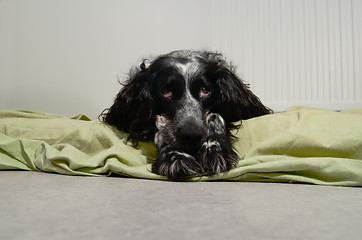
133,108
235,100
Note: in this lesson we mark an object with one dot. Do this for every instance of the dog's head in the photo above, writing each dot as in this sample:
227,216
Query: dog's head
184,86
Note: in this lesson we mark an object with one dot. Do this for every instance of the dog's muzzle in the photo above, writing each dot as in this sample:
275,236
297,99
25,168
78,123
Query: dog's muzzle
190,126
191,133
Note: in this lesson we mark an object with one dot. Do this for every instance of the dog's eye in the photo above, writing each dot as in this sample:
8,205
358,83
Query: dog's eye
204,92
167,93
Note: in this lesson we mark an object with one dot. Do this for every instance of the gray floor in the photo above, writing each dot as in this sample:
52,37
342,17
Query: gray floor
37,205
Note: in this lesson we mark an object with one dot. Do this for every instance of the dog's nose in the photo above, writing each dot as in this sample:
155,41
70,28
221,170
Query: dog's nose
191,133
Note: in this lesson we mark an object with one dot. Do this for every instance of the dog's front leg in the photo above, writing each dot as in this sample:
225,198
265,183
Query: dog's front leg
216,153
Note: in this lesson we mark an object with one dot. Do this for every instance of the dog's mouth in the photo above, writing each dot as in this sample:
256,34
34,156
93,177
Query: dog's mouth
191,147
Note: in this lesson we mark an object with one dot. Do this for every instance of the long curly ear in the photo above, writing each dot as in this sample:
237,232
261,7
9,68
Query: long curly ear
235,100
133,108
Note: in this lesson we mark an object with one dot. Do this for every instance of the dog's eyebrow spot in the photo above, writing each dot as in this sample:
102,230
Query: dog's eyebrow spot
188,69
182,67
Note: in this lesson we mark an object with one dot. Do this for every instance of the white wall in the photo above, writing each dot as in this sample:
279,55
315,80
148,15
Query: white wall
294,52
64,56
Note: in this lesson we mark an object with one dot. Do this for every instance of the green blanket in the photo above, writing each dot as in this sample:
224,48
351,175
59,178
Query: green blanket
298,145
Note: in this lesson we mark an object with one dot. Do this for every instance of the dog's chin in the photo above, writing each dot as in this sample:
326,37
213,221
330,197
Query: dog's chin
191,148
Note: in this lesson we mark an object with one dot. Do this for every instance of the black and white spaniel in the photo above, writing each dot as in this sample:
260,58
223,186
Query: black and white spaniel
186,101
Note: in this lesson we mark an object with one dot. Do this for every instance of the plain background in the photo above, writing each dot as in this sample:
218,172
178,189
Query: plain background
66,56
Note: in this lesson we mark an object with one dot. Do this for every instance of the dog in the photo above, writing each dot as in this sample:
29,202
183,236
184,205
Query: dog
187,102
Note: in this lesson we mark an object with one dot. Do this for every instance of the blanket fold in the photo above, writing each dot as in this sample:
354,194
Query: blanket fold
299,145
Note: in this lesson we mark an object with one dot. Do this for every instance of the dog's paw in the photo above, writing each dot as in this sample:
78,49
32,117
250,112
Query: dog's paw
217,158
176,165
164,135
215,124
